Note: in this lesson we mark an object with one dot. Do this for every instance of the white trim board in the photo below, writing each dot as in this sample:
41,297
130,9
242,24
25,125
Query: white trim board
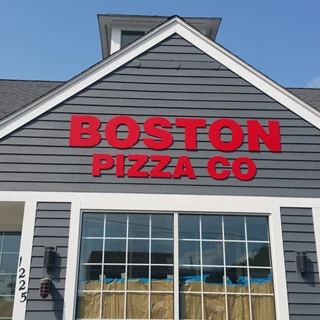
175,25
185,203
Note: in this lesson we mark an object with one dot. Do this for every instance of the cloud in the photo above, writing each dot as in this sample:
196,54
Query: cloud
314,83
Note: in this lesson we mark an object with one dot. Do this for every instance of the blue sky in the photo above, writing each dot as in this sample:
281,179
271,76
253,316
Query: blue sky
55,40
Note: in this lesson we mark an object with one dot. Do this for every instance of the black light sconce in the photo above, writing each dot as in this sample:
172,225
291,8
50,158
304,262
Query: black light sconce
48,258
302,262
48,263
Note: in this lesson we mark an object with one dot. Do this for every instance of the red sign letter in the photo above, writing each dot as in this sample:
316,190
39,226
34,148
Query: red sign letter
272,139
157,171
101,162
120,165
215,135
236,168
190,129
224,174
77,131
184,168
111,132
164,135
141,160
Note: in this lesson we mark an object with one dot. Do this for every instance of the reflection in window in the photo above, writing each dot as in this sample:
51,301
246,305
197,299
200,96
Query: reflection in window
226,274
9,255
127,269
129,36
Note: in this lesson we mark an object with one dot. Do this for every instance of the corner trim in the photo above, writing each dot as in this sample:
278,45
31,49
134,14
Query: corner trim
316,227
278,265
70,294
26,243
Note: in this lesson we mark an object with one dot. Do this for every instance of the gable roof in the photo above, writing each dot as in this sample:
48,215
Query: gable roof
128,53
16,94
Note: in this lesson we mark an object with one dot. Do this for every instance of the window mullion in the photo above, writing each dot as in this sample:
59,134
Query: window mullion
176,265
1,248
126,270
201,269
150,249
248,270
224,269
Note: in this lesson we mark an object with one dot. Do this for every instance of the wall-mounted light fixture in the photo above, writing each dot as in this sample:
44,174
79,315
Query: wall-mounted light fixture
302,262
48,258
45,286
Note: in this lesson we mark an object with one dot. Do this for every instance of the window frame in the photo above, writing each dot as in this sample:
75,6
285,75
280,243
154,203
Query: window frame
178,204
116,34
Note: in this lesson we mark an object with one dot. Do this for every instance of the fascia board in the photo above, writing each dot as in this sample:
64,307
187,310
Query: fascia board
85,79
175,25
248,73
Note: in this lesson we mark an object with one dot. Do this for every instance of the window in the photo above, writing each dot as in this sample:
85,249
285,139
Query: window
9,255
127,270
129,36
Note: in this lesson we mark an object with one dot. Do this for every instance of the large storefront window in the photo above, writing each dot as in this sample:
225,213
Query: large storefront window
9,255
127,271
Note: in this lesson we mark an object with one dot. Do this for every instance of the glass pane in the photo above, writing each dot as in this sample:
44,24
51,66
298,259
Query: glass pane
138,251
89,277
91,251
138,278
161,306
162,278
212,253
190,279
189,252
137,305
257,228
7,284
9,263
139,225
190,306
211,227
263,308
162,251
6,306
114,277
261,281
129,36
237,280
116,225
234,228
92,225
115,251
113,305
236,254
238,307
161,226
213,278
11,242
214,307
259,254
189,227
88,306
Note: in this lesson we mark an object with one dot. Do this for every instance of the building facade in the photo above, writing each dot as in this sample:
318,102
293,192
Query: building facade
169,181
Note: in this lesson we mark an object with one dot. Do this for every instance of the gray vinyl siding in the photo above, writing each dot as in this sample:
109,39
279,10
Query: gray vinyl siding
37,157
303,290
51,229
